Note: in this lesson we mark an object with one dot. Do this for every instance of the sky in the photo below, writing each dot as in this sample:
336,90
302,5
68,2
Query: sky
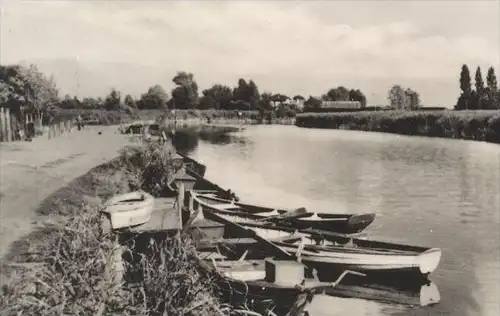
291,47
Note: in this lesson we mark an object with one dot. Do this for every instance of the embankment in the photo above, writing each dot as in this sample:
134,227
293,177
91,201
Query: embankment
61,267
183,117
481,125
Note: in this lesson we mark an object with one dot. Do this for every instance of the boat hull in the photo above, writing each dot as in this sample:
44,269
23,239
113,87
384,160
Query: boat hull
129,210
339,223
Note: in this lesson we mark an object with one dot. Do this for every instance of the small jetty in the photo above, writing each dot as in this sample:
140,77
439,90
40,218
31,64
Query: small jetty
271,254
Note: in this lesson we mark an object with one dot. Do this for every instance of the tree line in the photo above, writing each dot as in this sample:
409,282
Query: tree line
479,96
28,87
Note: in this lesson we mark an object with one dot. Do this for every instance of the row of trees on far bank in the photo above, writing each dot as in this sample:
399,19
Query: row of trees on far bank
479,96
340,93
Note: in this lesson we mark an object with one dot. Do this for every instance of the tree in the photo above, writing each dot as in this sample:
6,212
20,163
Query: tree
130,102
24,89
241,91
491,79
113,101
217,97
312,103
337,94
398,97
253,94
412,99
465,81
464,101
357,95
185,95
479,80
298,97
154,98
246,93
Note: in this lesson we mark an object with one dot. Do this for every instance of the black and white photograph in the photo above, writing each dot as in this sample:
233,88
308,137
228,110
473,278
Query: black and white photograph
249,157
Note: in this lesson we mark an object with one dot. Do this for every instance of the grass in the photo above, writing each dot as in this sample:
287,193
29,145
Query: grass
62,267
482,125
103,117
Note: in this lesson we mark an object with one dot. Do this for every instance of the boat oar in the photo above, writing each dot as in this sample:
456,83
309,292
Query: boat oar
323,286
288,215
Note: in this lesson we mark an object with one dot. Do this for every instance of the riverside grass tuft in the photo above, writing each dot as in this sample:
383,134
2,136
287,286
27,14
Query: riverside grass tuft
63,271
481,125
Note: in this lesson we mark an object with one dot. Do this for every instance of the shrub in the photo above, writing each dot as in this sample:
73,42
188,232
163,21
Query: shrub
479,125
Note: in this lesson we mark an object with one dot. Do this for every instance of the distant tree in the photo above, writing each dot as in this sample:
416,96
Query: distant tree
464,99
357,95
185,95
130,102
248,93
278,97
479,80
254,95
465,81
337,94
241,91
412,99
298,97
91,103
491,79
312,103
217,97
154,98
113,101
398,98
492,95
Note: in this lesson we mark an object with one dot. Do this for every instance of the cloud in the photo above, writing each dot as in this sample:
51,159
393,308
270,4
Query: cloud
285,44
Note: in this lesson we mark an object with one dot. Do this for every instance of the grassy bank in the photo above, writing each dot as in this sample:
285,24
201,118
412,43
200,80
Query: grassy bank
61,268
481,125
187,117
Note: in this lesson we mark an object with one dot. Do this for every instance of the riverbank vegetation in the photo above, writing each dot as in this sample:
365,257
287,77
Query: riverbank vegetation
63,268
476,115
474,125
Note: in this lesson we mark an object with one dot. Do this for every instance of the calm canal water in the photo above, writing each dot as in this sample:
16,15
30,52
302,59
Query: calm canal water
431,192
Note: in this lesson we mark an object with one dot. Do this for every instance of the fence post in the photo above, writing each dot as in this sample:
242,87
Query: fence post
2,124
9,124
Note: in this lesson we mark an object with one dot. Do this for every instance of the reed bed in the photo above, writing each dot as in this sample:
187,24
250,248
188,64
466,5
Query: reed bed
481,125
65,270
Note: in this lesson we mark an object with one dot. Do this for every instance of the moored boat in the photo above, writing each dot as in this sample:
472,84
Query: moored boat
193,166
327,251
299,218
279,282
129,209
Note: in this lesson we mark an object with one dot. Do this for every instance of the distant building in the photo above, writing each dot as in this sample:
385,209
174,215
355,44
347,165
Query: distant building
341,104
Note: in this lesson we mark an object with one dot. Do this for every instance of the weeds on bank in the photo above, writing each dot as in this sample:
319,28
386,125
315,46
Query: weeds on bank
477,125
68,272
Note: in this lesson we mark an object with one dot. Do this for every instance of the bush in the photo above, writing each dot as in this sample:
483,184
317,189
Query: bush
477,125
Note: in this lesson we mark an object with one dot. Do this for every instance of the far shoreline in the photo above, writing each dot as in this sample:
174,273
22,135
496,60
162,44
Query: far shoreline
478,125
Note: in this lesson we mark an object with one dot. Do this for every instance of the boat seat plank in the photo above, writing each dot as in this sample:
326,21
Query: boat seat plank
225,206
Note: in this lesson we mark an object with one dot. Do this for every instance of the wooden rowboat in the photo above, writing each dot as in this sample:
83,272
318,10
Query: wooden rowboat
193,166
299,218
278,282
128,210
327,251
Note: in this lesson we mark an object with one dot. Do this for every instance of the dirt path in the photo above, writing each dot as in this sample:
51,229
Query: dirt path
31,171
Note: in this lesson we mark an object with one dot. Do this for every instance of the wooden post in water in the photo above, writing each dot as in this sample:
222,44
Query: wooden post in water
180,200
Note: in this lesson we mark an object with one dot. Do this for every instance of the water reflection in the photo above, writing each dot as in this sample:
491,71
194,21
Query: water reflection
429,192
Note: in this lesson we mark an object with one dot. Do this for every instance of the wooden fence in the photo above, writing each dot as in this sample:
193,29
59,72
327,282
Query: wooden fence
6,125
59,129
10,130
